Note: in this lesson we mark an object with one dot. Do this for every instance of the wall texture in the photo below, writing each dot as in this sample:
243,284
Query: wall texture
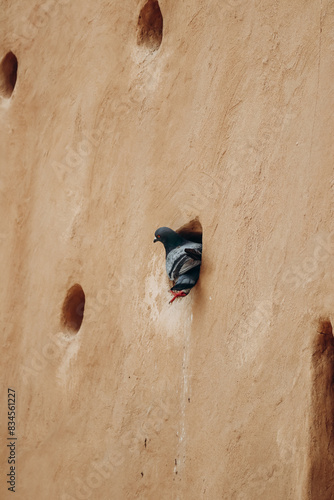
227,393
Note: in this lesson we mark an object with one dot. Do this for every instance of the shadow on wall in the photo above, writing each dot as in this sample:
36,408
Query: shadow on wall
321,477
192,231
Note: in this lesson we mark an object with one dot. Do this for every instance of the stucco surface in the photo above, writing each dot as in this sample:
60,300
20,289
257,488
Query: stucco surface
227,393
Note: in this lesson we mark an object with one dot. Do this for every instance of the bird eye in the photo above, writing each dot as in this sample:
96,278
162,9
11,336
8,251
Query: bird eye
159,236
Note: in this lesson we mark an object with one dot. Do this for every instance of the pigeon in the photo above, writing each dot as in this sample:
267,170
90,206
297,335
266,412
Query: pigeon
183,260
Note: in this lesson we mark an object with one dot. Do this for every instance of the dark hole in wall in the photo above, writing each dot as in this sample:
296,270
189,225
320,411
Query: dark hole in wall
321,475
192,231
150,25
73,308
325,328
8,74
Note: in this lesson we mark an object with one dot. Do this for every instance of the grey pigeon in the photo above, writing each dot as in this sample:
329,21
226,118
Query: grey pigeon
183,260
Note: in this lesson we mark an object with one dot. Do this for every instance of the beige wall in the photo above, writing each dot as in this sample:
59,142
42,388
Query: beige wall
102,141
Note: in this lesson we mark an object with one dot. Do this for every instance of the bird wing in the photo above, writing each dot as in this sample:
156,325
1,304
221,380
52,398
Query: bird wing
195,253
182,259
187,264
186,281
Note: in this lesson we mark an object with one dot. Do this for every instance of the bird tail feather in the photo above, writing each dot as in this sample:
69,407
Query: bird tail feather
186,281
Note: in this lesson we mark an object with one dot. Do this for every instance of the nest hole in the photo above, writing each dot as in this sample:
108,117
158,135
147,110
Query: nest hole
192,231
325,327
8,74
73,308
150,25
325,338
322,422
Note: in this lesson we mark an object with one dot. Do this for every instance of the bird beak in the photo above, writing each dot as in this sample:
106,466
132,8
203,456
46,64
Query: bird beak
155,240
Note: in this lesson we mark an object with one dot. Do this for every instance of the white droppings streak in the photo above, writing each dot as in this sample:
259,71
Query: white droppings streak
71,352
5,103
172,320
184,391
167,316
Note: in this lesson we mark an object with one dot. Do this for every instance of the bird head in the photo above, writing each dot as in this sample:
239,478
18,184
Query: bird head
168,237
